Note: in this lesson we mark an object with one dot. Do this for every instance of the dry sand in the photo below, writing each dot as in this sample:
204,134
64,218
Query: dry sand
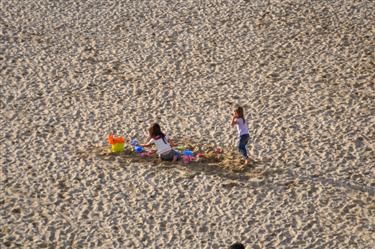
74,71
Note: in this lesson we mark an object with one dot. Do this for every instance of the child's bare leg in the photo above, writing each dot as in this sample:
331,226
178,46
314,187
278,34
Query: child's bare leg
174,159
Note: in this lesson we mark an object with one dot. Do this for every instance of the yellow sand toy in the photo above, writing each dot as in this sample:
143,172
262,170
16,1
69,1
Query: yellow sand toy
118,143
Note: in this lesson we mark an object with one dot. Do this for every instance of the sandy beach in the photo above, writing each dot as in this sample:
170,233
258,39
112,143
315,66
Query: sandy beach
72,72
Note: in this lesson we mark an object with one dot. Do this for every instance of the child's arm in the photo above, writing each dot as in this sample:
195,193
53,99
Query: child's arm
149,144
172,143
234,120
146,145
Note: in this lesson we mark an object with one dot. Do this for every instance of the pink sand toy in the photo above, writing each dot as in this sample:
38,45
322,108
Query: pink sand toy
188,159
201,155
219,150
187,156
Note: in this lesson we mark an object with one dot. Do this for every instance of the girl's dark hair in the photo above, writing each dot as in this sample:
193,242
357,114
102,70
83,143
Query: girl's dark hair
155,132
239,111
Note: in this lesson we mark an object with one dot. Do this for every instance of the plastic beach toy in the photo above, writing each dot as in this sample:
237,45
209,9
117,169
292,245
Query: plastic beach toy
188,153
134,142
188,159
138,149
115,140
210,154
187,156
219,150
118,143
181,147
201,155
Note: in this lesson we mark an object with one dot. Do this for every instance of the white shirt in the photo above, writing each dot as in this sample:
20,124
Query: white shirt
161,146
241,127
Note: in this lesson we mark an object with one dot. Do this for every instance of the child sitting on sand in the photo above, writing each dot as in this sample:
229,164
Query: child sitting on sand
163,145
243,132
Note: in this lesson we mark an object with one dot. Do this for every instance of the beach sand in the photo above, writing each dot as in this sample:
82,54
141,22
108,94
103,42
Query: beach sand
74,71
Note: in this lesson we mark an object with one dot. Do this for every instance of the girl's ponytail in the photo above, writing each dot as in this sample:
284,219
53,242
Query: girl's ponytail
239,111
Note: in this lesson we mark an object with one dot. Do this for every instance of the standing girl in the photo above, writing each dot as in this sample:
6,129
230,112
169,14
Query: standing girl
163,146
243,132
